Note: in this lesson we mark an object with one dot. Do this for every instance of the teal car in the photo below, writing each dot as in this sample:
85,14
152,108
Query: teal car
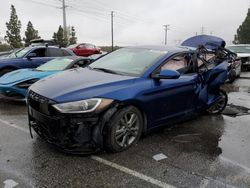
14,85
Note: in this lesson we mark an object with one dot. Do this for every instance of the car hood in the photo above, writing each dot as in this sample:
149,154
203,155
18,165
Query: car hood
243,54
79,84
23,75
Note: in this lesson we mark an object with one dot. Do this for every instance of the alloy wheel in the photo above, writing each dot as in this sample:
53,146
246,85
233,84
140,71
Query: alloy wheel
127,129
219,105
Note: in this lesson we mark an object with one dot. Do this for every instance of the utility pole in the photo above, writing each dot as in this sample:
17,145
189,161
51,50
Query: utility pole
166,28
112,30
64,19
202,30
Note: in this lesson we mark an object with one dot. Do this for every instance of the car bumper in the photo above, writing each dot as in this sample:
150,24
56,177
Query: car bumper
72,134
12,93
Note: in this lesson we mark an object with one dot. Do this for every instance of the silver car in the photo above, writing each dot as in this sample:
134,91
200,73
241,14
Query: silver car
243,53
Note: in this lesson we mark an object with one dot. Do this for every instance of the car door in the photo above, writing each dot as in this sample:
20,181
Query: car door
174,98
82,50
36,57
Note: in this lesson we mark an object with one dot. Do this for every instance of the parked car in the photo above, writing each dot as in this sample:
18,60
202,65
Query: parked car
14,85
42,42
84,49
243,53
124,94
31,57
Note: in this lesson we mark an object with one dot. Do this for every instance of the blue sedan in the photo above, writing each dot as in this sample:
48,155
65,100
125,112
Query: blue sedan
31,57
14,85
123,95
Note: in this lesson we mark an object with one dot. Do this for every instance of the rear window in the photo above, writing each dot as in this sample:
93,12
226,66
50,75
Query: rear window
55,52
66,53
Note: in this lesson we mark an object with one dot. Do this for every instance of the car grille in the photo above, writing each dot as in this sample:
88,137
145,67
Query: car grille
40,103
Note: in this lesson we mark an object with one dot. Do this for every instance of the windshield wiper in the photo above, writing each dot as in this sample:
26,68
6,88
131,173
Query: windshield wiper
105,70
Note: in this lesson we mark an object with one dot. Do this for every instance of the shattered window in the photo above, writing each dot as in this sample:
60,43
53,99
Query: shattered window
176,63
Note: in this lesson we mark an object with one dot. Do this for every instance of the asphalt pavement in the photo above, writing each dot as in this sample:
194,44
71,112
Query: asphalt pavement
208,151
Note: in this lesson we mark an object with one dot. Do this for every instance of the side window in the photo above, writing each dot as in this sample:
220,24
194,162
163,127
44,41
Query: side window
82,46
182,63
54,52
90,46
175,63
40,52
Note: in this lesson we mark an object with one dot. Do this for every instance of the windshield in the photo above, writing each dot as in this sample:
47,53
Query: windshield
128,61
22,52
13,54
239,49
55,65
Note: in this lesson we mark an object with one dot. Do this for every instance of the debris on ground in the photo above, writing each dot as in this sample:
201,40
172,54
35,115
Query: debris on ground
159,157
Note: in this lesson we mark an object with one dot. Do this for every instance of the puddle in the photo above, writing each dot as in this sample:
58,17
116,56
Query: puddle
186,138
234,110
230,88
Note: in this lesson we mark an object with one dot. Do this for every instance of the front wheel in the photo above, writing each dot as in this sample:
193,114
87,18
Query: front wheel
219,105
124,129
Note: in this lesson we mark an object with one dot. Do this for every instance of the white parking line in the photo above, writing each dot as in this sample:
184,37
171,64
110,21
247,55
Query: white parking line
14,126
109,163
132,172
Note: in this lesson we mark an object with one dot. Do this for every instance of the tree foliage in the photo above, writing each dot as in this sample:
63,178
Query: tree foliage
13,36
30,34
243,32
5,47
59,37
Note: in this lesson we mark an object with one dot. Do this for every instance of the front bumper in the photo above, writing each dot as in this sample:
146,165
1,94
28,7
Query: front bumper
72,133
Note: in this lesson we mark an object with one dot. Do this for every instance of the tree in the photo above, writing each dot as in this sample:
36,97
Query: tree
59,37
30,34
243,32
13,36
72,39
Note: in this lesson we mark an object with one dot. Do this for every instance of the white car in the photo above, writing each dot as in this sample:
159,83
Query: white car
243,53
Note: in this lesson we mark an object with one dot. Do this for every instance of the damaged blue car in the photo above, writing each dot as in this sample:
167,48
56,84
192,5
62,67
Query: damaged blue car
125,94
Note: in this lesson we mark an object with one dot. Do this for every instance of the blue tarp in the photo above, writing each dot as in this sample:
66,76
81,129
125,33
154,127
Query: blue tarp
208,41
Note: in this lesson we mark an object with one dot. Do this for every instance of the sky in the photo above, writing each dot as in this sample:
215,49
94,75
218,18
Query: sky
136,22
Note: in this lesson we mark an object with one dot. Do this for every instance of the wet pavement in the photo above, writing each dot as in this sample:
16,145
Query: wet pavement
209,151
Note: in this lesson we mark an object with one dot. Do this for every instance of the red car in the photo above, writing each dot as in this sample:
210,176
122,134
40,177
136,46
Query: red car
84,49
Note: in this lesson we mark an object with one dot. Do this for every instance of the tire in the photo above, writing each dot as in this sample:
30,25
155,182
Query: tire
232,76
220,105
4,71
120,134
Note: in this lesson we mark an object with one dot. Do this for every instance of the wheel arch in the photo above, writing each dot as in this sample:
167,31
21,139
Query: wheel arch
8,67
139,107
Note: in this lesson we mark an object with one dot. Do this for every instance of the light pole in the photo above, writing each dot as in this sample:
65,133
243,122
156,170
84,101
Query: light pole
166,28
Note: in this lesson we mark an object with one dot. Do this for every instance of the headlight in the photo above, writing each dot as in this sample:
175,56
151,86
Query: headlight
84,106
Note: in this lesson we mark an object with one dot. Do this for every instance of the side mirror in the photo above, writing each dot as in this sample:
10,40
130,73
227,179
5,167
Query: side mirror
167,74
31,55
